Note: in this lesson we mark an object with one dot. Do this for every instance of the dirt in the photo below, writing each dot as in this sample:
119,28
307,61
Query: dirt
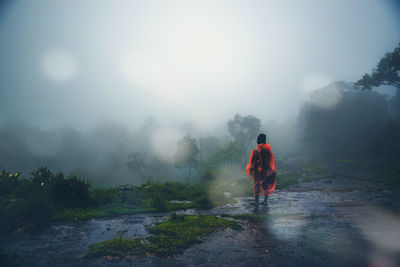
341,221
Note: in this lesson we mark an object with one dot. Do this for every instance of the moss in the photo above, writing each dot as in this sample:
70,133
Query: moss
167,237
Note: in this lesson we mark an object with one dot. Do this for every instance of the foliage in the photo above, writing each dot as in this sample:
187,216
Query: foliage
27,201
167,238
70,192
8,182
42,176
387,72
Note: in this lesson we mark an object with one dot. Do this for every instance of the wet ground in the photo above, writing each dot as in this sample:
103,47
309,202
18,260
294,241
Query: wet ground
344,221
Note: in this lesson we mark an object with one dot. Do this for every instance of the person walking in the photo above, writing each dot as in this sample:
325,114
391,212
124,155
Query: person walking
262,169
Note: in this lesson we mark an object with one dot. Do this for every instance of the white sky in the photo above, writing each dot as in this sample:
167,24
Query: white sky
81,62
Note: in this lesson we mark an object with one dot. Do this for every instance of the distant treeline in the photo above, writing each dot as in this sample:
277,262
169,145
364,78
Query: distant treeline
351,119
356,123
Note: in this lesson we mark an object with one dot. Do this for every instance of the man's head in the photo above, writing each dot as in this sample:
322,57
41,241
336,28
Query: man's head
261,139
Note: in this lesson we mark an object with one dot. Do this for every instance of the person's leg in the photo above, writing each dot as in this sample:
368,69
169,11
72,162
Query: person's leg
265,199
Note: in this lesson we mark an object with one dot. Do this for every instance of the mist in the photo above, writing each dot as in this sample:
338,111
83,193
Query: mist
87,87
80,64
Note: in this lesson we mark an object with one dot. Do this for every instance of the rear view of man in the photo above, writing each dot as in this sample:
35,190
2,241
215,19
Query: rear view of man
262,168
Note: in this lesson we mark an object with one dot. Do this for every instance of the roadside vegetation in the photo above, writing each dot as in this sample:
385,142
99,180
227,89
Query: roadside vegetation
48,196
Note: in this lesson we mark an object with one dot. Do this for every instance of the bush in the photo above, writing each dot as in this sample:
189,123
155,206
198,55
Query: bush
70,192
158,202
42,176
203,202
8,182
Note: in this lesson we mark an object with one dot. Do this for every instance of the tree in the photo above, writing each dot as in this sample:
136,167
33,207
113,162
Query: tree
387,72
244,130
185,156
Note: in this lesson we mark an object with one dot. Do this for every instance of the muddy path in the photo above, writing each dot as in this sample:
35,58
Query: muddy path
346,221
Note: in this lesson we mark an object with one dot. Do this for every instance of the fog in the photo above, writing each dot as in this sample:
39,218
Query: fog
96,86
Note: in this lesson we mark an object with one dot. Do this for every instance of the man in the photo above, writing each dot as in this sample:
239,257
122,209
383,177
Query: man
262,168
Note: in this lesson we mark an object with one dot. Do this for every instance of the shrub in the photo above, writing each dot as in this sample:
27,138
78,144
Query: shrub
41,176
158,202
203,202
70,192
105,196
8,182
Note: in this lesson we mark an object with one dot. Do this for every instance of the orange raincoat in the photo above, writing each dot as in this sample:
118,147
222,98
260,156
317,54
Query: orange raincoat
254,169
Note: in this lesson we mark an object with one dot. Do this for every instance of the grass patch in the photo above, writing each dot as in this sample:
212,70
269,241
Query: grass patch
285,180
167,238
104,211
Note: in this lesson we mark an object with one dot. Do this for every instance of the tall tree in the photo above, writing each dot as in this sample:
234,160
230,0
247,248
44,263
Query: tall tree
387,72
244,131
186,153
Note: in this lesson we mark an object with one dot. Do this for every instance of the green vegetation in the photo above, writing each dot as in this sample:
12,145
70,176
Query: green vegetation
53,196
169,237
387,170
47,196
285,180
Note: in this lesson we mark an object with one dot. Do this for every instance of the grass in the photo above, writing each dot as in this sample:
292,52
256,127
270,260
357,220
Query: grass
316,168
387,169
285,180
167,238
105,211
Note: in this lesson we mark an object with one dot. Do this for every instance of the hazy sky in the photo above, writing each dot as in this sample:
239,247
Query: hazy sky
82,62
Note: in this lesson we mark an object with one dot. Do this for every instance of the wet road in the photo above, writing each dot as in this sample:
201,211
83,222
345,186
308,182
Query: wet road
330,223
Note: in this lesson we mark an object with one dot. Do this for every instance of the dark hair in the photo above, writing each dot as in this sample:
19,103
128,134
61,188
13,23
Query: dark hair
261,139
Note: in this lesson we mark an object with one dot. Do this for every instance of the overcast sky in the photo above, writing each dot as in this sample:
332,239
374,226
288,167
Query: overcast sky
78,63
